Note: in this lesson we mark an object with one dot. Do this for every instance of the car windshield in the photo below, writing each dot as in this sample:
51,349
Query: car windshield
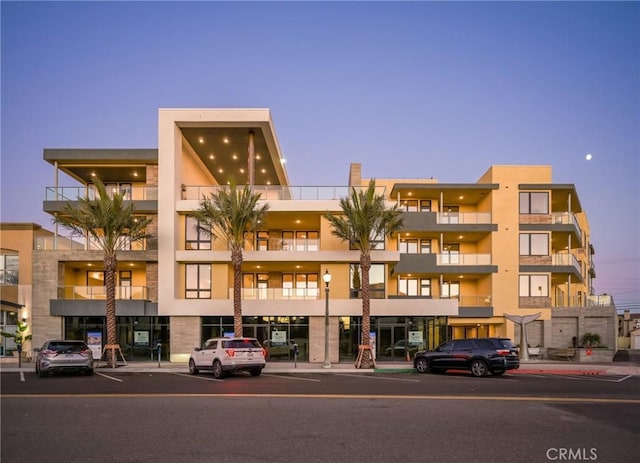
506,343
67,347
241,344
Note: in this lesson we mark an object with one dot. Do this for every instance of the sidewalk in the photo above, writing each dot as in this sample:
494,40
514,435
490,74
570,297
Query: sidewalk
529,367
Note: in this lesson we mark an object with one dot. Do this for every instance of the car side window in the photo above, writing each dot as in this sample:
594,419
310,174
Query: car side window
484,344
463,344
446,347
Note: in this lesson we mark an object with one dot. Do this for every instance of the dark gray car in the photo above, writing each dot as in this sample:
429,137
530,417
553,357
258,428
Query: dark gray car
61,356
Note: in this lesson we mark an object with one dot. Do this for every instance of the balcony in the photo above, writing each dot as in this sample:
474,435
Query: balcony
74,301
280,294
279,192
145,198
559,263
445,263
280,244
73,293
561,222
66,243
468,222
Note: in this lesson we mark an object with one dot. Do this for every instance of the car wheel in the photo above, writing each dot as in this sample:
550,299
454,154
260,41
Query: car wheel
256,372
192,367
218,372
479,368
438,371
41,374
422,366
88,372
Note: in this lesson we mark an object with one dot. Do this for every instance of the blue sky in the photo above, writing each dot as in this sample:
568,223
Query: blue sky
443,89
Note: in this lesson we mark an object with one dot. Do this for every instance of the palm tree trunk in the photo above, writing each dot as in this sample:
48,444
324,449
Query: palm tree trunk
110,264
236,259
365,265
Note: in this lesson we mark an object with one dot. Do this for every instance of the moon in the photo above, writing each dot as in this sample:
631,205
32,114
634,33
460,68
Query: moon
588,157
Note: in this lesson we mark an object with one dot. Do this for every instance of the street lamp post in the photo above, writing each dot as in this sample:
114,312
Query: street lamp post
327,278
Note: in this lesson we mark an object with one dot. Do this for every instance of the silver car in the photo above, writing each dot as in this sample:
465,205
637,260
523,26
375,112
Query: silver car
63,356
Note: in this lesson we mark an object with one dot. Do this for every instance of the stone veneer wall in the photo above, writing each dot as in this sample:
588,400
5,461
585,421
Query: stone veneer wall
316,339
576,321
46,278
184,336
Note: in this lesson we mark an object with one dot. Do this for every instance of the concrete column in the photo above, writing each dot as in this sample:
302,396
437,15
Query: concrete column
251,158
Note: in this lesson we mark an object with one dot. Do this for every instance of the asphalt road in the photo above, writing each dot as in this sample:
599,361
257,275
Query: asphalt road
134,417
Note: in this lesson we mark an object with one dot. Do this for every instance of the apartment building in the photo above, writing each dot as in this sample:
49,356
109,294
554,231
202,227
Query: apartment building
512,243
17,242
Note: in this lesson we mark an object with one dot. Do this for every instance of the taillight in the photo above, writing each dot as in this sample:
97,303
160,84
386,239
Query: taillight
264,352
503,351
230,352
48,353
85,352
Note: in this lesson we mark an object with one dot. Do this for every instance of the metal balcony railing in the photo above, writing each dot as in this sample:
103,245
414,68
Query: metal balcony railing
566,260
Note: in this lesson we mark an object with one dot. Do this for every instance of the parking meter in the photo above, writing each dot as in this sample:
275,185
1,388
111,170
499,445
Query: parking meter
159,349
295,354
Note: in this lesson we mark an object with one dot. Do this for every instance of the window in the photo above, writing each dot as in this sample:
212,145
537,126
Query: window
9,265
534,244
534,286
198,281
451,289
195,237
451,214
414,287
409,205
376,281
534,203
408,246
451,253
425,205
425,246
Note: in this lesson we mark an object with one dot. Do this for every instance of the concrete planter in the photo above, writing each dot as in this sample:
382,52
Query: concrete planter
598,354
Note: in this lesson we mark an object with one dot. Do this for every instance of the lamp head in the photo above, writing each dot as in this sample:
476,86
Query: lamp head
326,277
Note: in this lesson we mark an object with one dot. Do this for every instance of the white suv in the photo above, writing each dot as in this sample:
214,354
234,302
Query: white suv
224,356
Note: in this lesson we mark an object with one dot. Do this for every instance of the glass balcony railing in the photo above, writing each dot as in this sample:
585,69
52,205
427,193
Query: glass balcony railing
65,243
278,293
565,260
73,193
279,192
463,259
278,244
100,292
464,217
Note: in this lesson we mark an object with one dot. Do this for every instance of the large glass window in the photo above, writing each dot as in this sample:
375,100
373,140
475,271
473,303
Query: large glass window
414,286
534,244
408,246
534,285
451,289
376,281
534,202
451,253
195,237
198,281
9,265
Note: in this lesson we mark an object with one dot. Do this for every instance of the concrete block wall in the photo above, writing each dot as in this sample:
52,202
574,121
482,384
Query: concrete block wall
316,339
184,336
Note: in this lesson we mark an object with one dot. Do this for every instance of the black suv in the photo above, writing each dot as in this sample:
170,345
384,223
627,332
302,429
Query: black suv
479,355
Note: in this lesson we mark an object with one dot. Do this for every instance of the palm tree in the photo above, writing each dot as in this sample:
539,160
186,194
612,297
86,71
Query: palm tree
112,225
228,214
365,218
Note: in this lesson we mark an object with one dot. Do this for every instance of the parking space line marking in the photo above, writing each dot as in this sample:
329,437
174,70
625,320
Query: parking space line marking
290,377
624,379
380,377
22,376
197,377
109,377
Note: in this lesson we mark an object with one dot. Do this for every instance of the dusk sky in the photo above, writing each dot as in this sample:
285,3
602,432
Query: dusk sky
408,89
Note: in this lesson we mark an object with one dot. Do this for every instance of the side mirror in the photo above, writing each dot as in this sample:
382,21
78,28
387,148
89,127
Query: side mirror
196,349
